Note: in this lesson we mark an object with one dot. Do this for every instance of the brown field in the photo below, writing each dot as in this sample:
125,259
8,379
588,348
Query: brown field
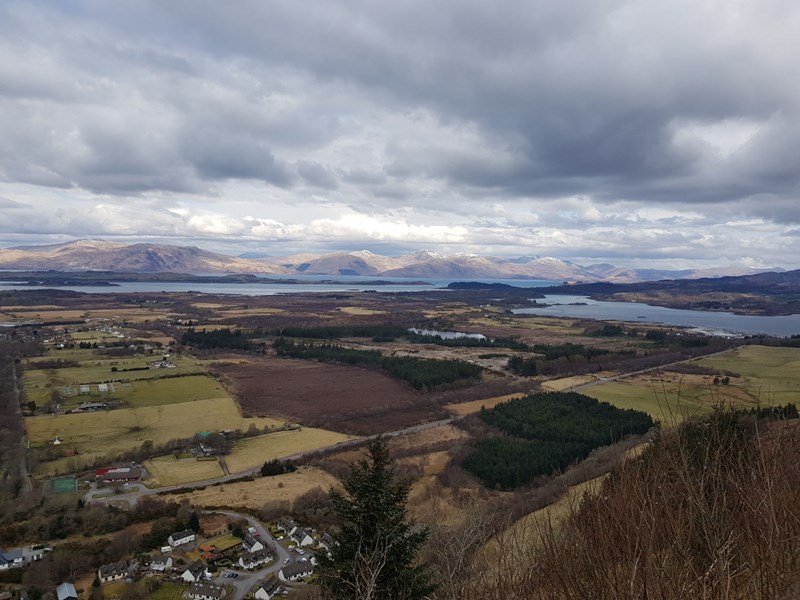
558,385
349,399
116,314
254,494
357,310
421,440
522,535
467,408
167,470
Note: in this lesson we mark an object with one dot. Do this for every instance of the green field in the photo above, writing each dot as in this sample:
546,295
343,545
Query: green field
41,383
107,433
767,376
165,591
223,542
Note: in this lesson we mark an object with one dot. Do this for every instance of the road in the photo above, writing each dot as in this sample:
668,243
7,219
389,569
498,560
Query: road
133,492
600,380
23,468
247,580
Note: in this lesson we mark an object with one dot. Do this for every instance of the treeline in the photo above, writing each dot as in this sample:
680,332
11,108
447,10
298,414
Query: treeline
335,332
326,352
277,467
559,358
57,363
568,350
421,373
219,338
466,342
547,432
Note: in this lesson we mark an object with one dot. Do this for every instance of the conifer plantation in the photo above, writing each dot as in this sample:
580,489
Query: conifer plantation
546,433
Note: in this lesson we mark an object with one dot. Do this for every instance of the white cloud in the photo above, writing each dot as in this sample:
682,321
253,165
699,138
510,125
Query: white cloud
607,129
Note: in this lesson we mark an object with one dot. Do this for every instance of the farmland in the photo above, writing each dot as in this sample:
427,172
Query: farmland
107,433
253,494
167,470
255,451
759,375
348,399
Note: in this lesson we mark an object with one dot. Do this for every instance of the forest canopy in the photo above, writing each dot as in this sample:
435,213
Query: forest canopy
547,432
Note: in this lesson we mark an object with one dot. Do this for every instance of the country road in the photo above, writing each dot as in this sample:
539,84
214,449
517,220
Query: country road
23,468
135,491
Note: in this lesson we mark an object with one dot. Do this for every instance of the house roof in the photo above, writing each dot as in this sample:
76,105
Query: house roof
66,591
300,533
12,555
159,559
270,584
122,475
208,590
196,568
257,556
179,535
113,569
295,569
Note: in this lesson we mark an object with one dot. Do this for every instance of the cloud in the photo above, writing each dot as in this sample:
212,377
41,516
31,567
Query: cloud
603,126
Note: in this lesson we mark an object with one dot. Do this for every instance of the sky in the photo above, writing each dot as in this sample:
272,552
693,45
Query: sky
641,133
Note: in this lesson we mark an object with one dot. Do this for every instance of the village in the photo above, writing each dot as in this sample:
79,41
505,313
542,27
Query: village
240,558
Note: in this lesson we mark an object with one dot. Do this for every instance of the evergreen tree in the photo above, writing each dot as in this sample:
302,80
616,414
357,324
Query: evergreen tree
377,546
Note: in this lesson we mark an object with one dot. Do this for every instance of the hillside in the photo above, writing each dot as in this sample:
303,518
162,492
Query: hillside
100,255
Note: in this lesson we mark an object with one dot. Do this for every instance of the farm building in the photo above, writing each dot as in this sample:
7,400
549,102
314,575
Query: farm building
119,474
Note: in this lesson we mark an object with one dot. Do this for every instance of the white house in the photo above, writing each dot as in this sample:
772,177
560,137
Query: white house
181,537
287,526
268,589
160,563
11,559
253,559
295,571
302,538
251,544
206,591
195,572
112,572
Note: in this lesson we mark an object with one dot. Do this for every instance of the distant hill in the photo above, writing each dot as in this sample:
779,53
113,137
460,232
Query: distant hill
101,255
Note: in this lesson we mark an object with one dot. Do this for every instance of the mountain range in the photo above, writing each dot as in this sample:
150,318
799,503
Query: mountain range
101,255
